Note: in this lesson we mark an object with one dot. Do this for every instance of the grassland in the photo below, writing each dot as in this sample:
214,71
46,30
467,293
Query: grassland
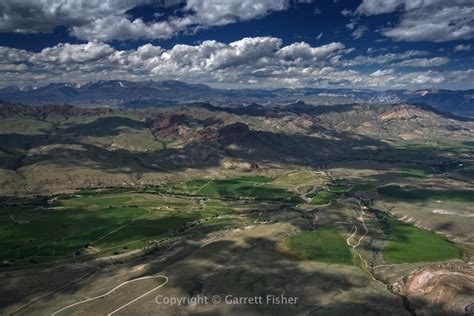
324,244
414,194
117,220
256,187
410,244
98,223
323,197
340,188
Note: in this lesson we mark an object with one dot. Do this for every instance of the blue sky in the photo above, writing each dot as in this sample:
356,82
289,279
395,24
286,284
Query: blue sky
378,44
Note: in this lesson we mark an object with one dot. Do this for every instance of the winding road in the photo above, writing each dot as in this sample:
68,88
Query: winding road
113,290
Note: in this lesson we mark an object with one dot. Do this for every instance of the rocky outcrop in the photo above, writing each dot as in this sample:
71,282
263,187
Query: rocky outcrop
403,112
169,124
237,164
448,286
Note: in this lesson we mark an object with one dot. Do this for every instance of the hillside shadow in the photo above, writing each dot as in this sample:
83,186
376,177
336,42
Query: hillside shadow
258,110
103,126
258,146
255,268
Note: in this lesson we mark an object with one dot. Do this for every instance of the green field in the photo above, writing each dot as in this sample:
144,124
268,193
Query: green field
340,188
411,244
324,244
323,197
245,187
414,194
117,220
95,224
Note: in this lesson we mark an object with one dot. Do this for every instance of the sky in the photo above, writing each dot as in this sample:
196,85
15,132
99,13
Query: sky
374,44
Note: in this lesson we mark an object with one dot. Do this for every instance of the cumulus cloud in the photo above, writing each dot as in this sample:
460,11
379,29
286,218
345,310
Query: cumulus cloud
305,51
220,12
32,16
209,61
72,53
108,20
197,14
13,67
253,62
434,20
121,28
13,55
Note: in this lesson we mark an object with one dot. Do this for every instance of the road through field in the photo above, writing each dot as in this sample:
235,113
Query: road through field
357,244
113,290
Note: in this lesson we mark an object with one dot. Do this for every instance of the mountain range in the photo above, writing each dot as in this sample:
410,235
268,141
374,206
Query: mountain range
121,93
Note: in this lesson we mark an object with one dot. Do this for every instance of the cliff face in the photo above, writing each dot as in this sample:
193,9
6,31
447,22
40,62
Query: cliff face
170,125
186,128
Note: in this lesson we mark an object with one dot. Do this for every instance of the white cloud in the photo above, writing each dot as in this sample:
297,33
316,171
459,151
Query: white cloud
423,62
221,12
72,53
259,58
108,20
383,59
346,12
462,48
121,28
433,20
305,51
32,16
373,7
382,72
14,55
244,51
13,67
359,31
351,25
249,62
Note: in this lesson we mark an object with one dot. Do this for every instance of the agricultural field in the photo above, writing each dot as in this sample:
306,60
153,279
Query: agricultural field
409,244
323,197
98,224
255,187
324,244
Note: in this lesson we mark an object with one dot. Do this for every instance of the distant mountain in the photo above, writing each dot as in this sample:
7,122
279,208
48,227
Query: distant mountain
456,102
121,93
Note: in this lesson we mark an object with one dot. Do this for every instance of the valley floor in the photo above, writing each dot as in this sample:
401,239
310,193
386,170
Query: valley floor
360,209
